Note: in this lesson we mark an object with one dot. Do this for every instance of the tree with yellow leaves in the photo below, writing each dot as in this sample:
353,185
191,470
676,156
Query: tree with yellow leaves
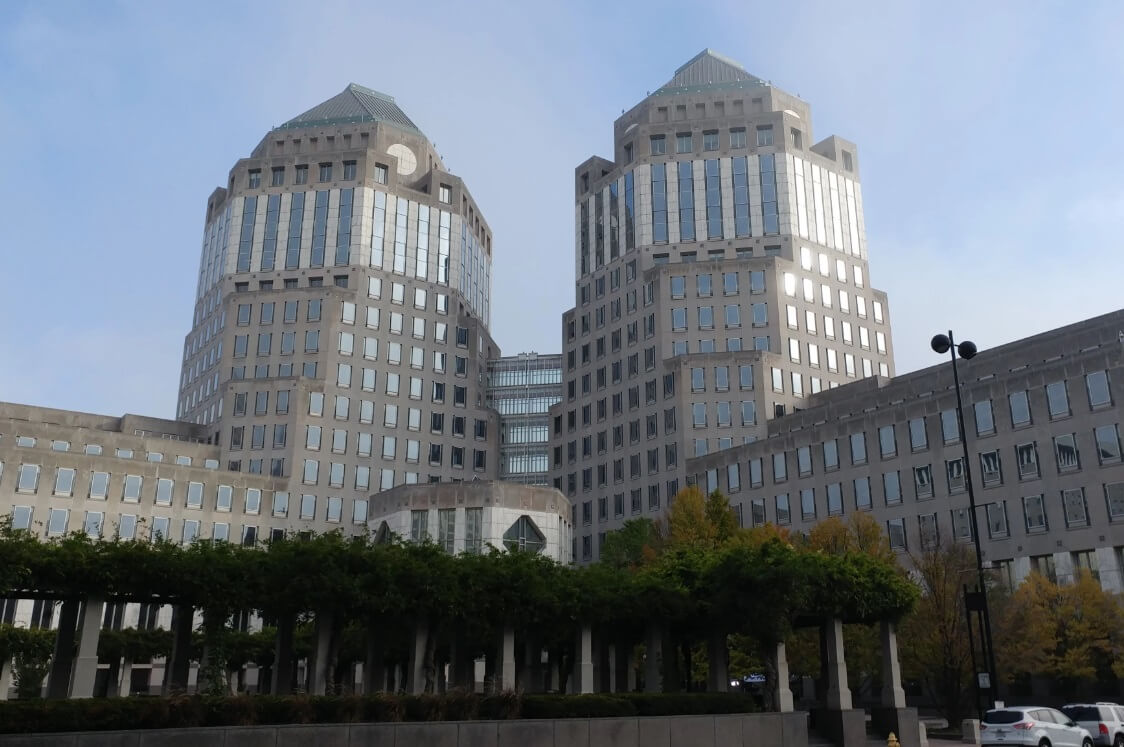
1072,633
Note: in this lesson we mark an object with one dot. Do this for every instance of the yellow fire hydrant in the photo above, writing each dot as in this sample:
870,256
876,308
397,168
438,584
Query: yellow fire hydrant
892,741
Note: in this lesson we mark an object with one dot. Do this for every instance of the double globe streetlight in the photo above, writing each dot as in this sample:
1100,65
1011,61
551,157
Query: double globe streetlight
975,601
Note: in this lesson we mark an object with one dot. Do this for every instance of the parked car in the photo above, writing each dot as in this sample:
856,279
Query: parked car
1105,721
1034,726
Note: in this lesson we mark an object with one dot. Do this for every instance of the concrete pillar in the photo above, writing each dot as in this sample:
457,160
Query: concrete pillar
1020,569
416,677
653,663
1108,567
584,664
555,684
893,696
86,667
782,691
507,659
177,670
282,683
838,692
58,681
5,678
322,653
718,654
124,679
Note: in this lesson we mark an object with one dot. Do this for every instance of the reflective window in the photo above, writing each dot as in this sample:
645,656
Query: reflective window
1058,399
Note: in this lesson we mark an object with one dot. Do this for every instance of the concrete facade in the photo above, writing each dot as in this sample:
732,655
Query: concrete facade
1042,420
341,324
721,280
476,516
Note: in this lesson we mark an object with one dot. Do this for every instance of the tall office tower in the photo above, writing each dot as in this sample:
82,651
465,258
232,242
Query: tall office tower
341,325
721,270
522,389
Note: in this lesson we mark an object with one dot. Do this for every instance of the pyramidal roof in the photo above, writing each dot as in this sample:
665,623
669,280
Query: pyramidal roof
353,105
708,69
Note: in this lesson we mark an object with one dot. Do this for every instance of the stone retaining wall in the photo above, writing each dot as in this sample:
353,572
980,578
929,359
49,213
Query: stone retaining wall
738,730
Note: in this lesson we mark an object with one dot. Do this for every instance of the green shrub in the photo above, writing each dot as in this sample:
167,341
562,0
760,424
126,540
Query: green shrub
577,706
103,714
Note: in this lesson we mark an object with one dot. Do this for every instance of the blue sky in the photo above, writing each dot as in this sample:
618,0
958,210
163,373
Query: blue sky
986,131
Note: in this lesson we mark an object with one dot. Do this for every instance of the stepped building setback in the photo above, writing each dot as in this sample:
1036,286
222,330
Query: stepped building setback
721,280
341,329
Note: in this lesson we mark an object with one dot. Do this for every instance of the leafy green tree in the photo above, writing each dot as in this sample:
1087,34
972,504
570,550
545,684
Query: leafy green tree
933,641
630,546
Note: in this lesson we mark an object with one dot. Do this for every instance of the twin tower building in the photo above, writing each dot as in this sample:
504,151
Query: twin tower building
341,340
340,370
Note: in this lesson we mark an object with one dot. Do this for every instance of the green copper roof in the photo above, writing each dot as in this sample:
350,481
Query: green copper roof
353,105
709,70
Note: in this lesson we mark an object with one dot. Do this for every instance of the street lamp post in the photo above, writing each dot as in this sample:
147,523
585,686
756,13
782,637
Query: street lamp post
977,601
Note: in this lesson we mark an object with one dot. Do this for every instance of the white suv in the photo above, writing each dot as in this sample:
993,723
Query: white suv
1033,726
1105,721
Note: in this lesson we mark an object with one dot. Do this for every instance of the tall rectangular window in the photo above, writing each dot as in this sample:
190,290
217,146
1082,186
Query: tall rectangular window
686,201
767,171
319,228
269,242
473,531
378,228
659,202
296,224
421,268
629,211
246,238
400,221
443,248
446,527
741,195
1020,408
343,225
713,199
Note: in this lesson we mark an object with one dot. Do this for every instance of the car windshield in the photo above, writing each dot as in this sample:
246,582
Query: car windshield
1003,717
1082,713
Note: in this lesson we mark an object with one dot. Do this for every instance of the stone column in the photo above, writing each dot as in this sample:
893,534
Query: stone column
653,672
58,681
177,669
1108,567
718,654
283,657
555,675
838,692
322,652
86,668
893,696
5,678
782,690
416,677
507,659
125,679
584,664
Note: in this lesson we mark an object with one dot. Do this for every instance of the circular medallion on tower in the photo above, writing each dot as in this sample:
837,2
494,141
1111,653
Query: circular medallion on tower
407,162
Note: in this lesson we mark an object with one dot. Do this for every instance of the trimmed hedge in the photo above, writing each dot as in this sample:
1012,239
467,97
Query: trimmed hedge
105,714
